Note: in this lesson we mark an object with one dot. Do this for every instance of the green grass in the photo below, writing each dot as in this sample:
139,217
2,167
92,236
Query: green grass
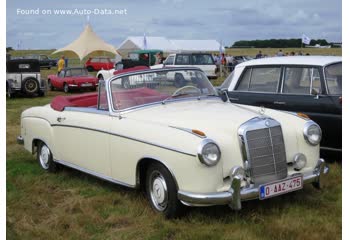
74,205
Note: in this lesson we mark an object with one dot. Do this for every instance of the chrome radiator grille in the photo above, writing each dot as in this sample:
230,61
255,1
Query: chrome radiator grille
265,152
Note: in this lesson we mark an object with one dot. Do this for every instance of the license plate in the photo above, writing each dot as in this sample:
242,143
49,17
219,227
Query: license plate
281,187
86,84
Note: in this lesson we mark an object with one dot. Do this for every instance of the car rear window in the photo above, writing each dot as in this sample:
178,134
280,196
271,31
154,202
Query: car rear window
333,74
301,80
262,79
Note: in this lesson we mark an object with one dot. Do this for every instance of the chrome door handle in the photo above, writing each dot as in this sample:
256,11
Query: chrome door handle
234,99
279,103
61,119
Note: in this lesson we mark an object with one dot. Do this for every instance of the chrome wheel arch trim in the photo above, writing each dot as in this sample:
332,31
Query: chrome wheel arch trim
158,160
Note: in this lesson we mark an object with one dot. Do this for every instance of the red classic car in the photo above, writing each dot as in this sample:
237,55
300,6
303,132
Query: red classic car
98,63
72,78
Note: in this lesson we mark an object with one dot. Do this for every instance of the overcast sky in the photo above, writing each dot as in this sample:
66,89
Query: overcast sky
224,20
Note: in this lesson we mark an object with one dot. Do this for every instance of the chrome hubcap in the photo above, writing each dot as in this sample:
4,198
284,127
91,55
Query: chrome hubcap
158,191
44,156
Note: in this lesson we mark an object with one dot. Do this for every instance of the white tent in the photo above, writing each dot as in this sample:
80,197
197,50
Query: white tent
168,45
86,43
137,43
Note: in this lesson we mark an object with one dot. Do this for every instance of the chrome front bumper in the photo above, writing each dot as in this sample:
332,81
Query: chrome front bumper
236,194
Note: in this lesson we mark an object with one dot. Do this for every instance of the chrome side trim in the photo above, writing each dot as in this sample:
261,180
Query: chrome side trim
236,194
331,149
188,131
126,137
99,175
86,110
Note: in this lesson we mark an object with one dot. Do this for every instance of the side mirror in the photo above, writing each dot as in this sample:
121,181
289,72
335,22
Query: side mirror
223,93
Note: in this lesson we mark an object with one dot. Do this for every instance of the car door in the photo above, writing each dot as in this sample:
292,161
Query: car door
81,139
57,81
68,78
258,86
303,90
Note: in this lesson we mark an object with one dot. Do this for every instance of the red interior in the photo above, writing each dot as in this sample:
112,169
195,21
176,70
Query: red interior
123,99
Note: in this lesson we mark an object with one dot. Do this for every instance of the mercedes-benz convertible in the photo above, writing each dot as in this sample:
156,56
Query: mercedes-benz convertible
178,140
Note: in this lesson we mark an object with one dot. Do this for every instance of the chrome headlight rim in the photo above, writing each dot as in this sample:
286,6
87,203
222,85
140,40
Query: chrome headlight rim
307,125
202,158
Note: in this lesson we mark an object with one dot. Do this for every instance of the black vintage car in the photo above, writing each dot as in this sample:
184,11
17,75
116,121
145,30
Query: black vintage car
23,76
44,60
310,85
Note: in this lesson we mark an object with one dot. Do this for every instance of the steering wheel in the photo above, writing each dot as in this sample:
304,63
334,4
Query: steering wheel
180,89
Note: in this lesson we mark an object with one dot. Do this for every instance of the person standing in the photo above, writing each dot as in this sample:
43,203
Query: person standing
280,53
259,55
60,65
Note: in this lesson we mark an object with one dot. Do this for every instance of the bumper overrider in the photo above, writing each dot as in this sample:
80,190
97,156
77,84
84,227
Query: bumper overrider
236,194
20,140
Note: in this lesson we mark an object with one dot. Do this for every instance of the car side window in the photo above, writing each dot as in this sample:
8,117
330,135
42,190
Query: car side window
333,75
262,79
301,80
93,60
244,83
182,60
104,60
169,61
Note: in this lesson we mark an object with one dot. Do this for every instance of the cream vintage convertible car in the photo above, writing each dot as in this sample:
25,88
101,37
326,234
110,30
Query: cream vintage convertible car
179,141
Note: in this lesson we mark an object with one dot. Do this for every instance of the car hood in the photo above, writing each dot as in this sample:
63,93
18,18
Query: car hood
208,115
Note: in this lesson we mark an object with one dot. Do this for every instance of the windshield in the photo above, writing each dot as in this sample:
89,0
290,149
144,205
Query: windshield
333,74
79,72
159,86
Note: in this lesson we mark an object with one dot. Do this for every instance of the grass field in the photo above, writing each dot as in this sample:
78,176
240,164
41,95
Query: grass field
74,205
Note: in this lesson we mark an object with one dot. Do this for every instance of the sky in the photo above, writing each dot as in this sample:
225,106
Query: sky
31,25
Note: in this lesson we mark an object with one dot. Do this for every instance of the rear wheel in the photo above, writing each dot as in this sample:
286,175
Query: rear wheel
162,192
45,159
31,86
65,88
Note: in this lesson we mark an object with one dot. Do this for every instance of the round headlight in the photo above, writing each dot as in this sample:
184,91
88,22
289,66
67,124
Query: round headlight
209,152
312,133
299,161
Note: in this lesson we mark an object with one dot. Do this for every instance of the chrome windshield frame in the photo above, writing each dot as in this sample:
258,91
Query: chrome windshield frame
117,112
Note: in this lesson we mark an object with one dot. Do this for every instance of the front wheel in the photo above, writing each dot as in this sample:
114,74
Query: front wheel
45,159
162,192
66,88
9,92
50,85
